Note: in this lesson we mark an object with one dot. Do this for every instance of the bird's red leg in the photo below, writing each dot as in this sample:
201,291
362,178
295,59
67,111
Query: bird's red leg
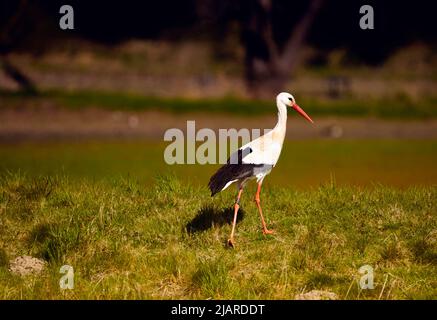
257,201
231,241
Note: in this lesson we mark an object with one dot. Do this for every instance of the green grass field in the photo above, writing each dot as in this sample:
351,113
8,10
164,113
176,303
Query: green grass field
133,228
398,107
167,241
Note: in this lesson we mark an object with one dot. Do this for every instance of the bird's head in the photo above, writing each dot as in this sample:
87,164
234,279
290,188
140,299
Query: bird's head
288,100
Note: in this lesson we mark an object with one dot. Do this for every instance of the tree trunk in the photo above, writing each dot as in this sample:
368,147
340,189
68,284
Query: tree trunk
7,40
24,82
266,76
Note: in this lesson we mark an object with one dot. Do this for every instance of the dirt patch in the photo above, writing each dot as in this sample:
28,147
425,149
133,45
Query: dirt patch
53,123
317,295
25,265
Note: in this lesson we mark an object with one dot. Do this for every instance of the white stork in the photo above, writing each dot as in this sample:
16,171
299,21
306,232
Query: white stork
255,160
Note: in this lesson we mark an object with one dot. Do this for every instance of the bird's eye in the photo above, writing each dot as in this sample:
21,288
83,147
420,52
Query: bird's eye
290,99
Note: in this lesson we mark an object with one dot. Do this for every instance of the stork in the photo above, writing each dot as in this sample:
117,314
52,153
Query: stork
255,160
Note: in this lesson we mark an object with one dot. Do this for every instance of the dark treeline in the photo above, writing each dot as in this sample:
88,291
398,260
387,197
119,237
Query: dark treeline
271,31
397,22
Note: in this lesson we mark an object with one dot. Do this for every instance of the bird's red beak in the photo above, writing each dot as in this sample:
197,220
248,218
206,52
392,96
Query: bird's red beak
302,113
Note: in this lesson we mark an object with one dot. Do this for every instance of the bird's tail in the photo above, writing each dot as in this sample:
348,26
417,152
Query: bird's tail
230,173
220,179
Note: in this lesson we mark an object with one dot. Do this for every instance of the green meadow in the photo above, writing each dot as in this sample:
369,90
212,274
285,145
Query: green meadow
133,227
399,106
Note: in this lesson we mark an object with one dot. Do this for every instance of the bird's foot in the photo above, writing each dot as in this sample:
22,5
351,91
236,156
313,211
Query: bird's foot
231,243
267,231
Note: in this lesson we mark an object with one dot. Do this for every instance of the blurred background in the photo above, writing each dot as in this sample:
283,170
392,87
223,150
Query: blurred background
95,101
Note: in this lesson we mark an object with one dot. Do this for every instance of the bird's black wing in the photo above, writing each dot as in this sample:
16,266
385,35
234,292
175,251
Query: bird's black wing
234,169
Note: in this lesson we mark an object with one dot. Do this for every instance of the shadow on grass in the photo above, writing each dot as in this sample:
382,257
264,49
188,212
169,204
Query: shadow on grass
209,216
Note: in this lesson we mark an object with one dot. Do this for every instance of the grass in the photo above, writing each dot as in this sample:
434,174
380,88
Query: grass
166,241
400,107
101,208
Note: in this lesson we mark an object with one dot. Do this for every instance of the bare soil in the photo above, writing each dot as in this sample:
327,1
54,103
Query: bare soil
317,295
25,265
55,123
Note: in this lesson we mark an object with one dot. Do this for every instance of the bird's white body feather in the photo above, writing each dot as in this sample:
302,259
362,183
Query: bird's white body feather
257,158
267,148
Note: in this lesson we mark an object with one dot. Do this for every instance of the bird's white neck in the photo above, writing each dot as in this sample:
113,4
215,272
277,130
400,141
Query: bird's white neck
281,126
